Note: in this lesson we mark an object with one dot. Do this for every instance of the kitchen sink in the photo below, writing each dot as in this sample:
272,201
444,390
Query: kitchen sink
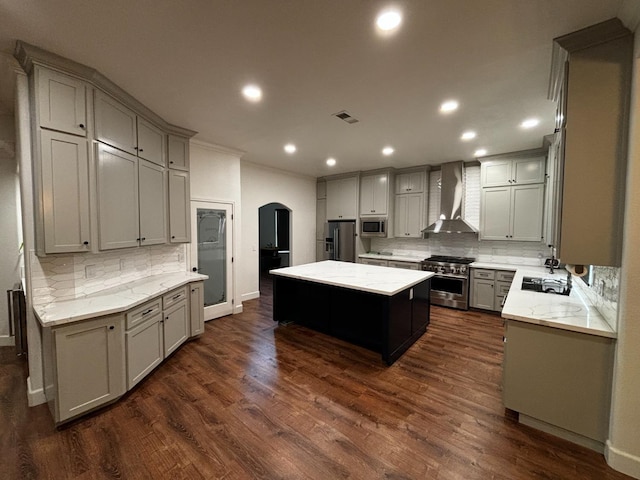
559,286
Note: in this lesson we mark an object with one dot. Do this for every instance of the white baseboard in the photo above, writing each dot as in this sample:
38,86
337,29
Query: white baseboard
622,461
250,296
237,309
7,341
35,396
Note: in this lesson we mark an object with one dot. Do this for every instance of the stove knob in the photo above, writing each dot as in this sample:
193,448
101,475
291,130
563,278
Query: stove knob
463,269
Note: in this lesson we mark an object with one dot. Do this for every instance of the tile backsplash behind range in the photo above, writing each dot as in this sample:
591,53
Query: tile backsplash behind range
64,277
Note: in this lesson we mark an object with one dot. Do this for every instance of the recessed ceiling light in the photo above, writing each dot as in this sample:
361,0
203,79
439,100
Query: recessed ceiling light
468,135
253,93
387,151
530,123
331,162
449,106
290,148
481,152
388,20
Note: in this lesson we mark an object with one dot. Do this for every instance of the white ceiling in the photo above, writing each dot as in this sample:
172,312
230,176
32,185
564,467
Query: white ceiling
188,60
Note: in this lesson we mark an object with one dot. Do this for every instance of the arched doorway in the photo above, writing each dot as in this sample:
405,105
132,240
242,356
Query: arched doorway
274,232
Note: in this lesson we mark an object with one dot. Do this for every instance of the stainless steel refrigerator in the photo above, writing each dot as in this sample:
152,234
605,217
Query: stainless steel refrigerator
340,241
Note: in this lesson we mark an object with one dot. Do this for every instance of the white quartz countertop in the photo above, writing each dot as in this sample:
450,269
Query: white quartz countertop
356,276
573,312
388,256
113,300
496,266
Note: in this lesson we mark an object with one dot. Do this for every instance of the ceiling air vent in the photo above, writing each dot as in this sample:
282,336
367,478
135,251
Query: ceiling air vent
343,115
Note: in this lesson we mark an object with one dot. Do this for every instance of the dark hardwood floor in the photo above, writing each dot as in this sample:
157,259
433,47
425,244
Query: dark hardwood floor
250,399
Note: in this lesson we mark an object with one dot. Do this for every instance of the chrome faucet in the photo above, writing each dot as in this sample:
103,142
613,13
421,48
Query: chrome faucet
553,259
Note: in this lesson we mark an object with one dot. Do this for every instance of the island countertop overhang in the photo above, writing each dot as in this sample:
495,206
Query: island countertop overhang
356,276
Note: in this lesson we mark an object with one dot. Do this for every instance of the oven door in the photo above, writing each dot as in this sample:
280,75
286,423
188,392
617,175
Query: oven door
450,291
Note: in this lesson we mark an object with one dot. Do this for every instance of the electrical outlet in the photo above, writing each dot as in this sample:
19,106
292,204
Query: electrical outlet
90,271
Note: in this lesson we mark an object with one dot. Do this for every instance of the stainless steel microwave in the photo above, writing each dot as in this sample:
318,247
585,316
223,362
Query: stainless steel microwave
373,227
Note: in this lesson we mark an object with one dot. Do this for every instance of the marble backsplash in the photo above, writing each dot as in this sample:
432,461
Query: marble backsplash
65,277
603,292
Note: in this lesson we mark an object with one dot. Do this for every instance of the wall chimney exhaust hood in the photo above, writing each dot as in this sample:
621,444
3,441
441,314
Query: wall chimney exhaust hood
451,195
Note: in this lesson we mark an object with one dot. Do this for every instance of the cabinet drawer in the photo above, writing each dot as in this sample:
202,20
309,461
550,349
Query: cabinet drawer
405,265
504,276
174,297
143,312
373,261
502,288
486,274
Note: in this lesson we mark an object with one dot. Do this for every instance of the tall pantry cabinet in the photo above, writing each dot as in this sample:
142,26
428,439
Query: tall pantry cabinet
108,172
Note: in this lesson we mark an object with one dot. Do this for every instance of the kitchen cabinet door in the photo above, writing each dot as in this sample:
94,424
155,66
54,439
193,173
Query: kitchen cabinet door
321,218
153,203
118,212
528,170
374,194
495,213
151,142
64,193
373,261
409,215
496,173
61,102
526,212
115,123
196,307
412,182
176,327
178,152
179,199
483,294
90,365
342,198
405,265
145,349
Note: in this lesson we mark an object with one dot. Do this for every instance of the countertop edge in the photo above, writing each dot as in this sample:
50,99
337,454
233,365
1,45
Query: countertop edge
127,301
561,326
427,276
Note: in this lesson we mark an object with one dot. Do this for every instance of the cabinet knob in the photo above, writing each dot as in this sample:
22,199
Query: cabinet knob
141,150
170,161
514,180
173,236
111,327
143,238
81,126
85,243
194,269
135,148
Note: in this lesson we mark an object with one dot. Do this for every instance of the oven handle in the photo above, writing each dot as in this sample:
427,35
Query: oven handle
462,277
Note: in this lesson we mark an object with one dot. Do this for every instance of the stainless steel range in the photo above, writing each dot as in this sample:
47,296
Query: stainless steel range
450,285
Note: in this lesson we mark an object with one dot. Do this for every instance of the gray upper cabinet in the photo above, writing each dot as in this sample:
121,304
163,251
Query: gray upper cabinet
179,198
61,102
374,194
411,182
513,171
342,198
151,142
153,203
178,152
117,180
64,193
115,123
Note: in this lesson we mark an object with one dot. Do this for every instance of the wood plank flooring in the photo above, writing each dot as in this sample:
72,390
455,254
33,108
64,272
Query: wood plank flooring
250,399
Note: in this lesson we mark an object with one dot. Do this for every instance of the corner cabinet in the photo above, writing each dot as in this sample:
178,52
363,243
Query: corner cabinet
100,159
342,198
512,197
93,362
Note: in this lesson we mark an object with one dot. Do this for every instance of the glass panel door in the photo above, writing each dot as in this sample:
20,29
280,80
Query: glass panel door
211,255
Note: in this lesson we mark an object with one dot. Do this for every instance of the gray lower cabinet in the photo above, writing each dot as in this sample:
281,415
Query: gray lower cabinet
152,202
405,265
90,363
560,378
489,288
374,261
196,306
84,365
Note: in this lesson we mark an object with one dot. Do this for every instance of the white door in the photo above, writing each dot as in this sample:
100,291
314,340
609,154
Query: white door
211,254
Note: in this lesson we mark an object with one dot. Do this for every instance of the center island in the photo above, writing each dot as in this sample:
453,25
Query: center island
379,308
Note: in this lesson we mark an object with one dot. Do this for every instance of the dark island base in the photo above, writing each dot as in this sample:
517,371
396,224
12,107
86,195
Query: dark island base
385,324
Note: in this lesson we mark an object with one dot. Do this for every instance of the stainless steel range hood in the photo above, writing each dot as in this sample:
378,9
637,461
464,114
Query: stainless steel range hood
451,195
